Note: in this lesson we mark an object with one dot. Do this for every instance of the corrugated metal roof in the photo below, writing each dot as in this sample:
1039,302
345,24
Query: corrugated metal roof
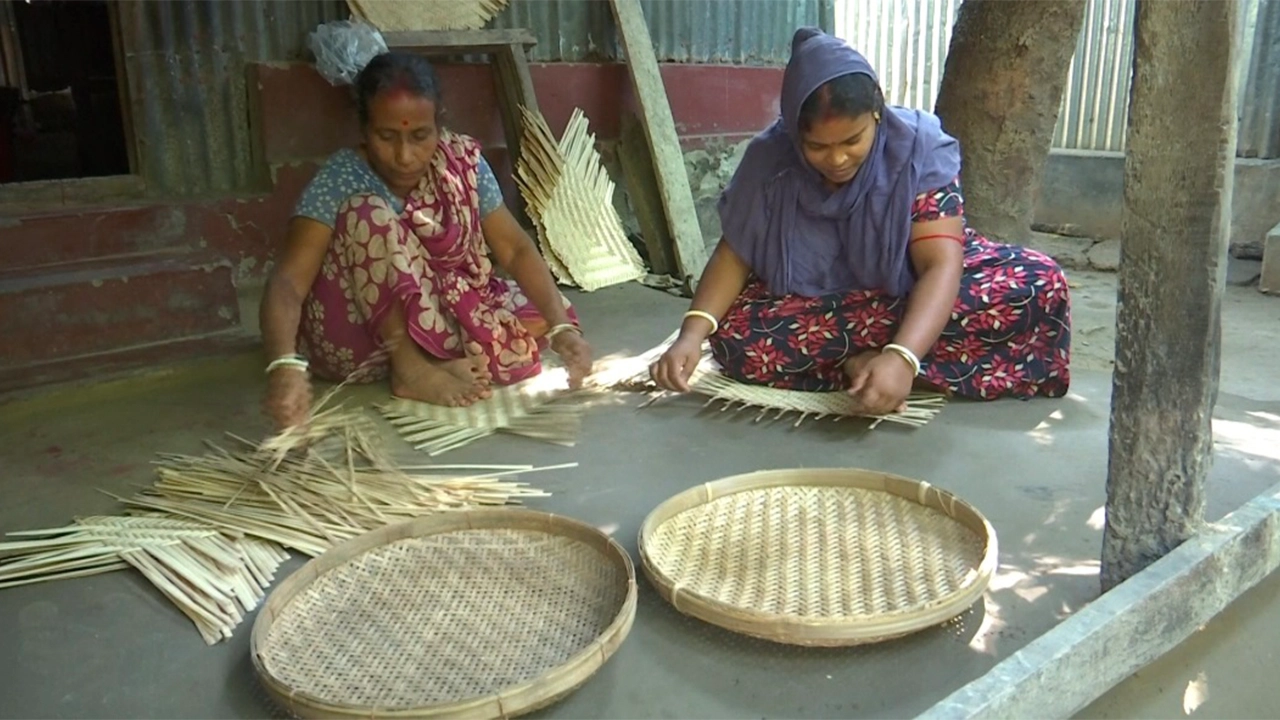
186,67
744,32
1259,134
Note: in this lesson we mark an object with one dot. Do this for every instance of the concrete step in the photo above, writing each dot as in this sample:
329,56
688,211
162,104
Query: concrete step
60,235
75,310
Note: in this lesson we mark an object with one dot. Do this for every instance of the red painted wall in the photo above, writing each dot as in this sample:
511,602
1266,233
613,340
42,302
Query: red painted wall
303,116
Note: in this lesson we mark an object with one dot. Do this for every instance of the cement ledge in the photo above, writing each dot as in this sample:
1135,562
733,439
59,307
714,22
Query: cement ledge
1062,671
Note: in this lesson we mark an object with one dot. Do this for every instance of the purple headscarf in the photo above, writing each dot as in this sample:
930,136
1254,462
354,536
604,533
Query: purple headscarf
797,235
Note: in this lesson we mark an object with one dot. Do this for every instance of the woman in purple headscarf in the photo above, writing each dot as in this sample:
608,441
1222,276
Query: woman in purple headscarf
846,261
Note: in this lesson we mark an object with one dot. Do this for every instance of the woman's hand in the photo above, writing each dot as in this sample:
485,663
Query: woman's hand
879,382
576,354
676,366
288,401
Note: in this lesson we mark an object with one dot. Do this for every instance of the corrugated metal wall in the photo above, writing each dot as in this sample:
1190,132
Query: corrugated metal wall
904,40
907,40
1260,111
186,59
186,67
1095,104
745,32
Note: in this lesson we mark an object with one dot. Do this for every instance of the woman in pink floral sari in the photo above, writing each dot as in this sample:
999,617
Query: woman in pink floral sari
386,272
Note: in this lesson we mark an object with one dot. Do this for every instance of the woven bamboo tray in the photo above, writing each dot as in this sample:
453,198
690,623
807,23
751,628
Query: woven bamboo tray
477,614
819,557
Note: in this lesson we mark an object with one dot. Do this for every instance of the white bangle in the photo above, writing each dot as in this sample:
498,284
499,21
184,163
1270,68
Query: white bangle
563,327
715,324
905,353
290,361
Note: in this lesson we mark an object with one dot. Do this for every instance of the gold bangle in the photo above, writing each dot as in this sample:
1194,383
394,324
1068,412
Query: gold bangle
290,361
905,353
562,327
715,324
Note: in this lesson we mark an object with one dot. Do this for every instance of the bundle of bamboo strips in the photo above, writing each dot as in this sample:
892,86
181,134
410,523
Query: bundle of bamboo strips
570,198
308,502
211,531
211,576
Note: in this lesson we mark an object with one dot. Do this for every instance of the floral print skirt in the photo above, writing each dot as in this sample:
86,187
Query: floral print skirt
375,260
1009,334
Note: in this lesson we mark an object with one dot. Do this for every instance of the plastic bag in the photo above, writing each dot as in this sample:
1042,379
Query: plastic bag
343,47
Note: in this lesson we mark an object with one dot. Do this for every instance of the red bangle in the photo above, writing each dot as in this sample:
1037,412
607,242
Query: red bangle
957,238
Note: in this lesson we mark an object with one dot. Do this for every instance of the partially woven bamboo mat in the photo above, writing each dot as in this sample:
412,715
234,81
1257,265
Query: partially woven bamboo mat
764,401
480,614
821,557
540,408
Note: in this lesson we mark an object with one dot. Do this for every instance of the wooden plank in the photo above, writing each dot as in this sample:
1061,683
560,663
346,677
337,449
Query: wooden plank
1075,663
514,86
453,42
1179,160
646,198
664,143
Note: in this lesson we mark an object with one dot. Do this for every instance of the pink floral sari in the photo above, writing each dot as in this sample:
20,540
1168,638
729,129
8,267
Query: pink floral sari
432,260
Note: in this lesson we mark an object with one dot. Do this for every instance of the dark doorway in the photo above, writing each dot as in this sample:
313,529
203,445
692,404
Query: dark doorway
61,94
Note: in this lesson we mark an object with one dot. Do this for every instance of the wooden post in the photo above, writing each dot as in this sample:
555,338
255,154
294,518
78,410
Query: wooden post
646,197
1177,217
664,143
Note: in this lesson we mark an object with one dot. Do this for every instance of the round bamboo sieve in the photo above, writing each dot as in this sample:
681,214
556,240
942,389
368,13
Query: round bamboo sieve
819,557
462,614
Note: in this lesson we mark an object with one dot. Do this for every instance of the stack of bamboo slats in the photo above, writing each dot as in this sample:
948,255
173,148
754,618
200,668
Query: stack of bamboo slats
409,15
570,198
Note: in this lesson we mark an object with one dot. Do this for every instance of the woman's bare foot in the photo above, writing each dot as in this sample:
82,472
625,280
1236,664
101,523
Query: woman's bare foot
453,383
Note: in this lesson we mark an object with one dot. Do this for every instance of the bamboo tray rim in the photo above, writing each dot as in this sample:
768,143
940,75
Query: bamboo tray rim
794,629
513,700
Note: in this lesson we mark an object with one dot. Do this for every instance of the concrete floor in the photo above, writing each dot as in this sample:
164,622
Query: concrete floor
111,646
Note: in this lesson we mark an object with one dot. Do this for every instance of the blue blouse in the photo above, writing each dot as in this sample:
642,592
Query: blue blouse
345,173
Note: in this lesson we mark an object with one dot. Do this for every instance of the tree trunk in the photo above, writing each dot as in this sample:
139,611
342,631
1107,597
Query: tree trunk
1177,217
1000,96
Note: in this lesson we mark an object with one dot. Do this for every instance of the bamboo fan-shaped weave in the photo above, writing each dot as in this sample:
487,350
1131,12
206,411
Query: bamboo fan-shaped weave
407,15
570,199
819,557
708,380
921,406
482,614
212,577
528,409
